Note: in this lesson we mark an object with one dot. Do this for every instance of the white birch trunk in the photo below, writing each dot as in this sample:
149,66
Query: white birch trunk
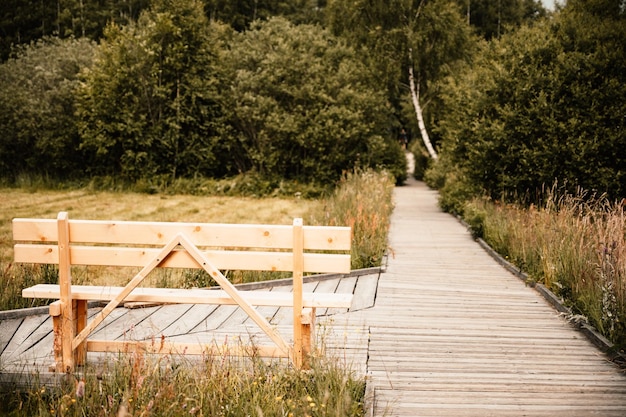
415,96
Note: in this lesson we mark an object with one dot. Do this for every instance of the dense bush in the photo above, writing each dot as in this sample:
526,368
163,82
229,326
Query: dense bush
302,105
174,96
38,129
545,103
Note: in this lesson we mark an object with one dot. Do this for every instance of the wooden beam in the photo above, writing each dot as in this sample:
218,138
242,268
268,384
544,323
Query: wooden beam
191,296
221,259
298,267
257,236
66,327
162,346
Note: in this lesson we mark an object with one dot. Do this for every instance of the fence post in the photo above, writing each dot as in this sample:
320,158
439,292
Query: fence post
67,327
298,268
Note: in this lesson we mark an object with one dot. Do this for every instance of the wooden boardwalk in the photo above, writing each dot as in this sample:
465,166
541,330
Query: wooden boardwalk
444,331
452,333
26,335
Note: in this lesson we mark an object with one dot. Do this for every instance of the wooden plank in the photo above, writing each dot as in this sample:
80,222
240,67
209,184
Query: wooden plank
67,327
222,259
29,325
188,296
364,292
346,286
326,286
270,312
7,330
201,234
152,327
298,269
102,330
284,315
124,326
199,317
163,346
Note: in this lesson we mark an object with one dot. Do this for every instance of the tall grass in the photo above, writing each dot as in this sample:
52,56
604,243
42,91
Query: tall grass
139,385
573,244
363,201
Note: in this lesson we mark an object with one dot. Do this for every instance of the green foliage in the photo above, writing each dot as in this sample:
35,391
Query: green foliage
429,36
541,104
491,18
26,21
303,106
240,14
38,132
14,278
150,106
421,160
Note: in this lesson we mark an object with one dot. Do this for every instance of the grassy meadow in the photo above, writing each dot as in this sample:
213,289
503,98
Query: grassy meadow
95,205
361,200
140,385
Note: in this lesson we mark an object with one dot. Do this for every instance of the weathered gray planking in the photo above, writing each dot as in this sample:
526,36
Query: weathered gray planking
28,338
8,327
454,334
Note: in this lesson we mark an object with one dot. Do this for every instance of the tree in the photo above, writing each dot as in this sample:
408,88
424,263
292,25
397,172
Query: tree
493,18
408,43
303,106
150,106
239,14
542,104
25,21
38,129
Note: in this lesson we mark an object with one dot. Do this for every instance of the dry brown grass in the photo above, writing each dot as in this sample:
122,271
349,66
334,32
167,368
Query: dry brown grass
575,246
84,204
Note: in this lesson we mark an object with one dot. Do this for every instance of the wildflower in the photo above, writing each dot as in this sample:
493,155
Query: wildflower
80,389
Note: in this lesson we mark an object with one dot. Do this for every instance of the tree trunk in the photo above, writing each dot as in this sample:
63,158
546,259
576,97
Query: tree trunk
415,96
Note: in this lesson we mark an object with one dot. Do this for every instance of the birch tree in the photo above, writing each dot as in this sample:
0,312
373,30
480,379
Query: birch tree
410,44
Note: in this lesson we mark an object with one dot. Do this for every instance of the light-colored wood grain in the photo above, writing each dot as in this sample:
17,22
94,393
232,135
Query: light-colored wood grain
201,234
222,259
152,245
190,296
